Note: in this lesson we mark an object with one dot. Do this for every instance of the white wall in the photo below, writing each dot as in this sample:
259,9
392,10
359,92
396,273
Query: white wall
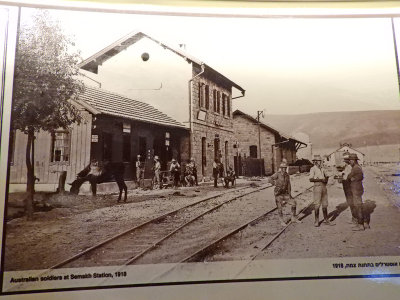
127,74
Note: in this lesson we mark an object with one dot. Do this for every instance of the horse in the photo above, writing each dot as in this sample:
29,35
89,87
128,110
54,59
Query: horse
97,173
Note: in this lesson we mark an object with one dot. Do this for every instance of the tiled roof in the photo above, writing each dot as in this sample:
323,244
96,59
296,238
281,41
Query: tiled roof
99,101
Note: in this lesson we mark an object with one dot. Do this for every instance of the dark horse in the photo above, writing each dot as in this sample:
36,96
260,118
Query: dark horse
96,173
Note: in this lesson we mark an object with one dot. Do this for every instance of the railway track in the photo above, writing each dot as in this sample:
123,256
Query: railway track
143,243
207,252
130,245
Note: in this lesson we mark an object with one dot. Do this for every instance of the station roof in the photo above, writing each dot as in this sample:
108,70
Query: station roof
92,63
99,101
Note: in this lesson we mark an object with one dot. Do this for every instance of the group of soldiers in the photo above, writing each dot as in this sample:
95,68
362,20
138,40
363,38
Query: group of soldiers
187,176
351,178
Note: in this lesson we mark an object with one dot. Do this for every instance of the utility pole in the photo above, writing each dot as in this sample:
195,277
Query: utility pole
260,113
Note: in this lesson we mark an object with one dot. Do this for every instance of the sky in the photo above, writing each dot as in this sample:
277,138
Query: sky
286,65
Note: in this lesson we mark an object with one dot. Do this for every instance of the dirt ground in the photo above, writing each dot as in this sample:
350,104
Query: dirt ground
383,239
78,222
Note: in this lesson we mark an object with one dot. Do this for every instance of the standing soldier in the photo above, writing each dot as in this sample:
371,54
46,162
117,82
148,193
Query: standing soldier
356,177
347,188
175,170
319,176
215,172
221,172
282,192
139,169
157,170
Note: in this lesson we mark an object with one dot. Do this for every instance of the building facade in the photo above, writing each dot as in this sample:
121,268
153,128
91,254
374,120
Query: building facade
114,129
335,158
212,129
206,106
257,140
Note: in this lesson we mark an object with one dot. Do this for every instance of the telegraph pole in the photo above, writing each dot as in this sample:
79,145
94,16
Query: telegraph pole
260,113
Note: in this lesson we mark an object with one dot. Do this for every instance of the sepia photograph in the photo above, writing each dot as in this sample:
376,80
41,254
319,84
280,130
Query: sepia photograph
159,149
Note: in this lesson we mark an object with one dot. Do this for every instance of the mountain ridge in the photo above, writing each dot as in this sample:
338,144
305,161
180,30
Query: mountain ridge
329,129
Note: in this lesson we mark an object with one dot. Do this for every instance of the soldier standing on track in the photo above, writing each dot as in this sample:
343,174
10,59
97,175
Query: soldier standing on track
281,180
356,177
319,177
347,188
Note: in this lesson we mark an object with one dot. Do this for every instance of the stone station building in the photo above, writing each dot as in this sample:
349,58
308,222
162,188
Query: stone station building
201,94
257,140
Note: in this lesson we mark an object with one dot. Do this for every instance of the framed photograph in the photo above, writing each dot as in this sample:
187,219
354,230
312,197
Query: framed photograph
200,152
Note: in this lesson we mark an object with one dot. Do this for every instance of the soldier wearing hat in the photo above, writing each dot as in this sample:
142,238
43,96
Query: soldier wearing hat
139,169
347,187
175,170
282,192
356,177
319,177
157,171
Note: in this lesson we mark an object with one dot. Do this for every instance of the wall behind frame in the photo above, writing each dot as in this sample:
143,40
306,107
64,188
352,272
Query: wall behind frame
321,289
8,56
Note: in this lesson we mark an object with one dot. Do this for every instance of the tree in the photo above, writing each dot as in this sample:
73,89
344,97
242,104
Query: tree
45,80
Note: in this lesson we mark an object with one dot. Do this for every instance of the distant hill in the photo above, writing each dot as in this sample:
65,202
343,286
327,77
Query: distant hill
328,129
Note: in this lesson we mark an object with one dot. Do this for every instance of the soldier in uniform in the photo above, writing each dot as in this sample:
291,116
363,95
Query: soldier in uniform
319,177
215,172
281,180
157,171
347,188
356,177
194,168
230,177
175,170
139,169
190,179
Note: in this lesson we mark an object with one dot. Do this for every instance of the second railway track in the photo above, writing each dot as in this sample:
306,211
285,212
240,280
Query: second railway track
121,248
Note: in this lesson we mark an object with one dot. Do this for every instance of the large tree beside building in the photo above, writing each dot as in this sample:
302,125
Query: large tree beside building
45,80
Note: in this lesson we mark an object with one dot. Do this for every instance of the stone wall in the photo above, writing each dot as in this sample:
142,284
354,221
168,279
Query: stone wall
246,133
204,137
209,124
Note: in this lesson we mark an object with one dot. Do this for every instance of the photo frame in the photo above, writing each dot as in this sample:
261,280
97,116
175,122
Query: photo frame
146,99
